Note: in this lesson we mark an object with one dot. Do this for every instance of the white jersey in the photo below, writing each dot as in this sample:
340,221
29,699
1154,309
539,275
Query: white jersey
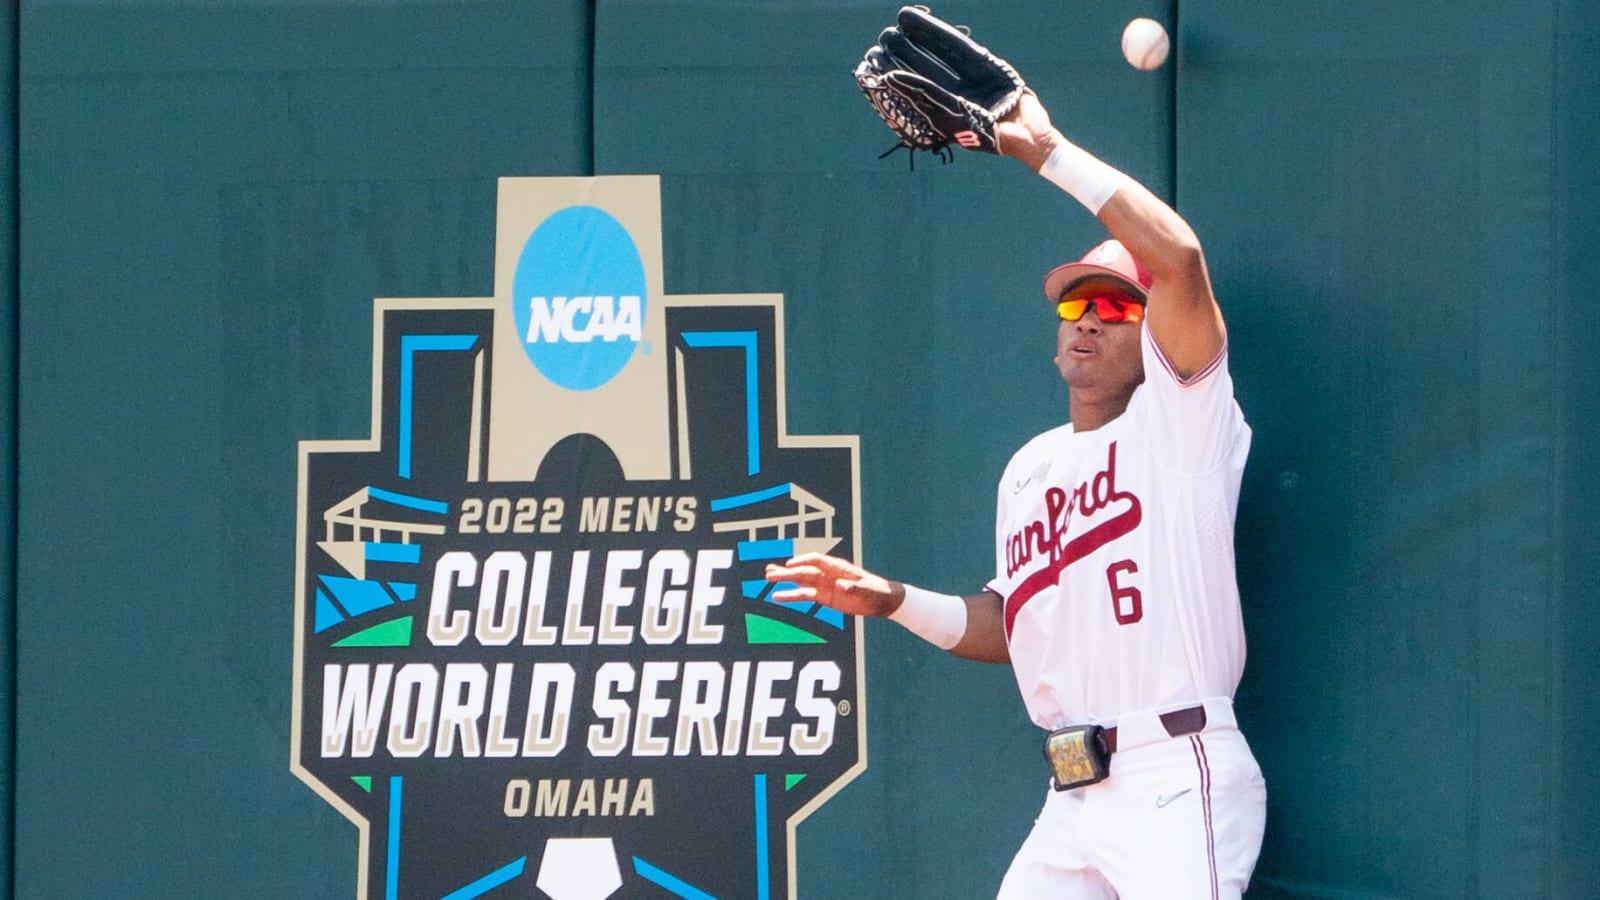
1114,553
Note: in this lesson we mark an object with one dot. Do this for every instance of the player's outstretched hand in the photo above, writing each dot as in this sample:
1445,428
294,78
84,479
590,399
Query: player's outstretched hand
1026,133
834,582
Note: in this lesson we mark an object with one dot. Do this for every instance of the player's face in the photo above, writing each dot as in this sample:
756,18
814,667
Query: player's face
1098,356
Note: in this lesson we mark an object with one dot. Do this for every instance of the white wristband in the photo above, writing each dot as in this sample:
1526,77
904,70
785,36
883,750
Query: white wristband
1079,173
939,619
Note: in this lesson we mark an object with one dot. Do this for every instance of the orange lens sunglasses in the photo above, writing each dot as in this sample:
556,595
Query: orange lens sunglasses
1109,307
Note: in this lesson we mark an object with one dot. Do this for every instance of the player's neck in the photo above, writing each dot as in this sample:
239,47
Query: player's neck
1090,411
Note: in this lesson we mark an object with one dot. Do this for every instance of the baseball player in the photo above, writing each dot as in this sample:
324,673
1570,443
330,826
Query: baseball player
1114,597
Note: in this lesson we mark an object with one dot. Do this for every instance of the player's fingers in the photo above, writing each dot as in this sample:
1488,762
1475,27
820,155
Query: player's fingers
795,593
776,572
825,563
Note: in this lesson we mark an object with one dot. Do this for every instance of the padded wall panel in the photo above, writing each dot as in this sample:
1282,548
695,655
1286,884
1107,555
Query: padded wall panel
212,196
1370,203
1575,628
8,431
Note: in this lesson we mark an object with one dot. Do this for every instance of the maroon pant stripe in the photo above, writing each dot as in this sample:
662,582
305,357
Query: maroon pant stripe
1204,766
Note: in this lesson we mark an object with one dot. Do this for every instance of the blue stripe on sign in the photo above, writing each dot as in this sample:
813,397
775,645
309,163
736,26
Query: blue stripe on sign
411,344
327,616
752,590
404,590
721,503
357,596
752,409
408,501
488,882
392,891
399,553
672,883
780,548
763,891
831,616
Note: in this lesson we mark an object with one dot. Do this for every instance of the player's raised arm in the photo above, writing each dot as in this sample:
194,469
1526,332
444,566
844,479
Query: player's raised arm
970,627
937,88
1183,316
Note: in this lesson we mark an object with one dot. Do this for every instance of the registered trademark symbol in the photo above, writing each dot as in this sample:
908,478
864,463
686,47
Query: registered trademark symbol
844,707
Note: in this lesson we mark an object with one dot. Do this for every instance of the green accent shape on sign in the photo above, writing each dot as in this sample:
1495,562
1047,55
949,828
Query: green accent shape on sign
762,630
393,633
365,782
789,781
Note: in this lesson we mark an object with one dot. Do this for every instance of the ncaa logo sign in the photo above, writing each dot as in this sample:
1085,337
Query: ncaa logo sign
580,319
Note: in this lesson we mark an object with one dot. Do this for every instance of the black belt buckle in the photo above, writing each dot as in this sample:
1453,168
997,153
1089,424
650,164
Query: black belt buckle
1077,756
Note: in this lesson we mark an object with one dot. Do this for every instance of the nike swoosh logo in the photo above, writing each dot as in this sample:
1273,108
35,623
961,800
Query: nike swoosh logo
1162,801
1039,471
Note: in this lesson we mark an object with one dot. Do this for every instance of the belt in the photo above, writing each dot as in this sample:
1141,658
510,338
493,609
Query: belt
1177,724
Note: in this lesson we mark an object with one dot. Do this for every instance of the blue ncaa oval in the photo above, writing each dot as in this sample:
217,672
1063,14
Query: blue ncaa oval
578,296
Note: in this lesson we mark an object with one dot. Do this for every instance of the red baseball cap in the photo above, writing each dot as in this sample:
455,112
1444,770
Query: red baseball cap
1108,260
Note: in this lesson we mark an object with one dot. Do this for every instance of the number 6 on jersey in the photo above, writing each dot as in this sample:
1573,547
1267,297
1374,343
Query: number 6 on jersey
1127,604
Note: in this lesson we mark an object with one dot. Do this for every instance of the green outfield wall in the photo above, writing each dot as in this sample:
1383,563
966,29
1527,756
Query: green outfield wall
1400,214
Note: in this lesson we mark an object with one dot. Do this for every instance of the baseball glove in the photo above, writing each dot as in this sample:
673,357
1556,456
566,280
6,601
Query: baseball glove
934,86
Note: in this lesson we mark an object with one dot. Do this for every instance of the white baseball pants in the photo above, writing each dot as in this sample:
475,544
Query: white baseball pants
1179,819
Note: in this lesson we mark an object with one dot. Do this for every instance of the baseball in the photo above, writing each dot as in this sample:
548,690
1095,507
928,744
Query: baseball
1144,43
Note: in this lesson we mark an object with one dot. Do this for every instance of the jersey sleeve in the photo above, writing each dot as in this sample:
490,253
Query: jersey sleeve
1194,423
1001,515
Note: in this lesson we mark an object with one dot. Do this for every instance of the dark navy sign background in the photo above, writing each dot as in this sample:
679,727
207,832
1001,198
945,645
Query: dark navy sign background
575,683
